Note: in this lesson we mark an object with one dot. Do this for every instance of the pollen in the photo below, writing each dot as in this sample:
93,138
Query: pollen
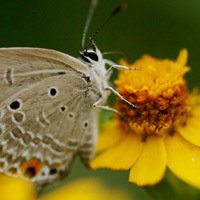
160,94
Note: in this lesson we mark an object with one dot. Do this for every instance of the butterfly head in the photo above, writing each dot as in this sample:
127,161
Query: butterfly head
91,56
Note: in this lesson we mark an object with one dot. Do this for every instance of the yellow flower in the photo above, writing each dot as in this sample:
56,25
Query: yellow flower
163,131
85,189
15,189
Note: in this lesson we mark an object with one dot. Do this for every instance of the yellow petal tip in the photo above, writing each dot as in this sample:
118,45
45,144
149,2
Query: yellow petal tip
183,57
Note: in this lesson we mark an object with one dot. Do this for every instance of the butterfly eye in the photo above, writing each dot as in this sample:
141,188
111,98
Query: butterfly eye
92,56
89,54
83,57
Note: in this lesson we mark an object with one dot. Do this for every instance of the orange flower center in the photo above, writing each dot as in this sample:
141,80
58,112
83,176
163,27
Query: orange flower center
155,114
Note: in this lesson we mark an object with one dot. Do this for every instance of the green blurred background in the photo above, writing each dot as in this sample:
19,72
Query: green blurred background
156,27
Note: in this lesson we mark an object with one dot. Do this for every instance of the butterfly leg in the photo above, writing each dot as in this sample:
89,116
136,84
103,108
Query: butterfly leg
120,96
99,106
114,65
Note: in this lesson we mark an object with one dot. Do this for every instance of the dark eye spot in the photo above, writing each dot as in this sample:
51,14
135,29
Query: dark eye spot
53,171
15,105
86,124
53,91
71,115
62,108
30,172
93,56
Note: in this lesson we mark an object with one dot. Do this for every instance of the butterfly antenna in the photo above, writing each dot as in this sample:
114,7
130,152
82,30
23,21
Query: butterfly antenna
88,20
115,53
117,9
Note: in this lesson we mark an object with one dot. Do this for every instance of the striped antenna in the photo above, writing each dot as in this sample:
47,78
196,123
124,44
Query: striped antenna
120,7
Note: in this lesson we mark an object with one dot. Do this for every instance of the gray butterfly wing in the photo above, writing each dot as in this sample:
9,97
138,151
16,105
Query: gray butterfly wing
46,114
21,66
89,140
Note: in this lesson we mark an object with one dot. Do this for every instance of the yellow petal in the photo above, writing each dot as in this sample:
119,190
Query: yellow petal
182,57
110,135
15,189
183,159
86,189
150,167
120,156
191,131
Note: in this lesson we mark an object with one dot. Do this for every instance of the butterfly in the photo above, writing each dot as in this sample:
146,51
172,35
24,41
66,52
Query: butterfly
48,113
